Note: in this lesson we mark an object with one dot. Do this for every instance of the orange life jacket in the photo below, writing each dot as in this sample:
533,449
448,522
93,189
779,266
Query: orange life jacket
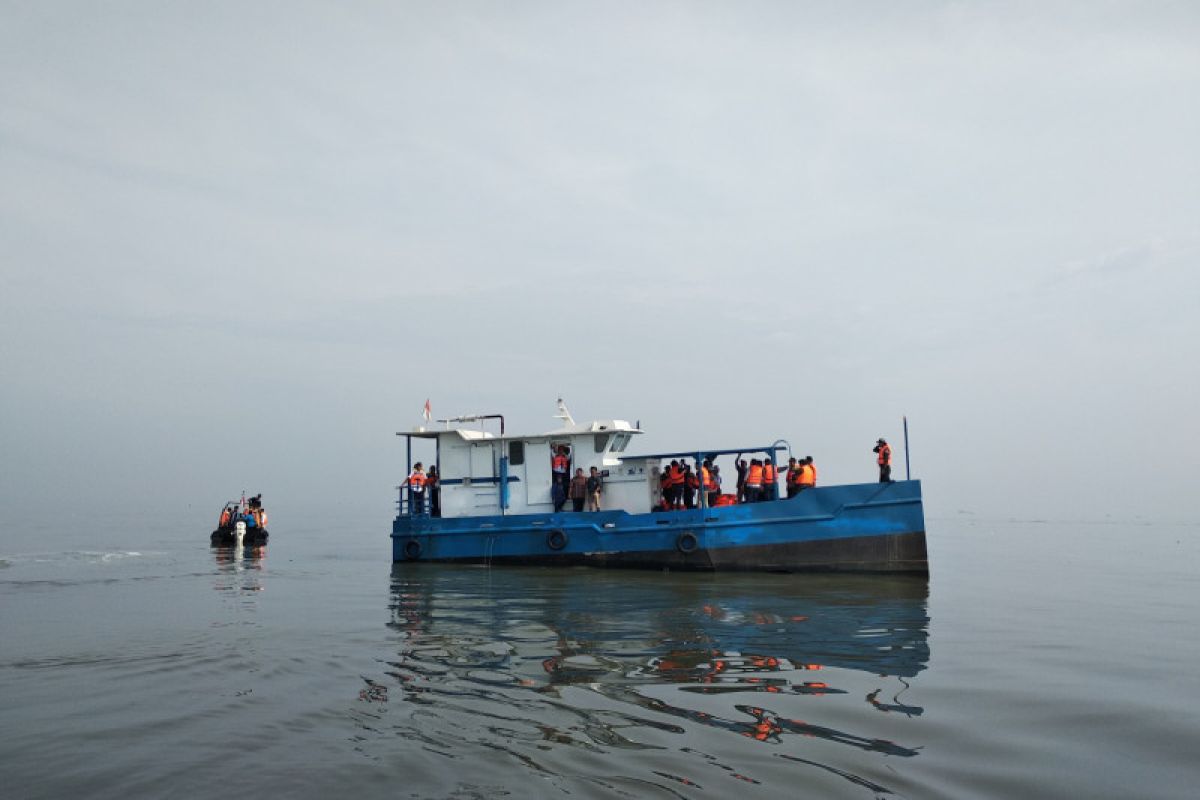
225,518
674,476
885,455
417,480
559,463
808,476
709,483
755,476
769,473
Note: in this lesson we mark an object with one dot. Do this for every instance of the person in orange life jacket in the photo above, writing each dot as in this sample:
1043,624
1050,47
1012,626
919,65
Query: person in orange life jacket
674,481
770,481
690,484
742,469
578,490
416,489
226,518
808,474
434,491
884,460
709,480
560,465
754,481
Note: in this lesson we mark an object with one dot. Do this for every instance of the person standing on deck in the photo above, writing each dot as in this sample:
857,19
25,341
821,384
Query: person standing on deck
808,474
578,490
709,480
416,489
754,481
595,485
560,465
770,481
675,478
792,476
434,491
742,468
884,460
690,484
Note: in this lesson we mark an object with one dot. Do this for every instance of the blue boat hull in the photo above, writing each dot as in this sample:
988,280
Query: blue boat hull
876,527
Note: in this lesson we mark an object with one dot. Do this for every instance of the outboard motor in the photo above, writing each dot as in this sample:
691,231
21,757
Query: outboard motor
239,532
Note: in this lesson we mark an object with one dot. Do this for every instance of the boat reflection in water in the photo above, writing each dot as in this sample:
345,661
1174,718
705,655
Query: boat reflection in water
742,641
239,569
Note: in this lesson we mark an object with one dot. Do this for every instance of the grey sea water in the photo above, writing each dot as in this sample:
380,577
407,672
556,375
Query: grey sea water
1040,659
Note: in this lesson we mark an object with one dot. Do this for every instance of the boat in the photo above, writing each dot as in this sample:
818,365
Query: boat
496,504
242,522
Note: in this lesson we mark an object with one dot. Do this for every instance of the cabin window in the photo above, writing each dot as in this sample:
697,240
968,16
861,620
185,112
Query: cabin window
516,453
620,442
601,442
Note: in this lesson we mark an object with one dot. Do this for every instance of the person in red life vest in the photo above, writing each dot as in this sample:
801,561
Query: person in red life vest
808,474
884,460
770,481
434,492
416,489
226,518
791,476
690,484
754,481
560,466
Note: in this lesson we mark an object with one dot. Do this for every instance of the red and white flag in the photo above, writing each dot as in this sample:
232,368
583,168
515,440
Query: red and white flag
427,412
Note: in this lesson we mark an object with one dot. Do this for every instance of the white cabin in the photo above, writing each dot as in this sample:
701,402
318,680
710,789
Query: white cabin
472,465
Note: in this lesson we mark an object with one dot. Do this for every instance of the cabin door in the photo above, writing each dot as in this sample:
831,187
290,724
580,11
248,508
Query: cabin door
537,473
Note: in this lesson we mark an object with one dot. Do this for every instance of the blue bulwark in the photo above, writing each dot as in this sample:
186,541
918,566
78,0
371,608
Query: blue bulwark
871,527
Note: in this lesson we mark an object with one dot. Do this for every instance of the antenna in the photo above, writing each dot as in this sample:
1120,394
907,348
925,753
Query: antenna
563,414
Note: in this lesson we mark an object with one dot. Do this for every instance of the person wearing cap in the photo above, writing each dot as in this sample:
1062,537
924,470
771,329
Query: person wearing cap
884,459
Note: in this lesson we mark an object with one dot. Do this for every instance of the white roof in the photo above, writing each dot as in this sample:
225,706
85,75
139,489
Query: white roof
595,426
578,429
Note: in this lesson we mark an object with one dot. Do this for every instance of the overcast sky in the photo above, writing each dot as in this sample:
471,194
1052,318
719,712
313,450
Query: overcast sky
241,243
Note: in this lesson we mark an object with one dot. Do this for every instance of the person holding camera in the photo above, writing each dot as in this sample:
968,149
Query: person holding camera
884,459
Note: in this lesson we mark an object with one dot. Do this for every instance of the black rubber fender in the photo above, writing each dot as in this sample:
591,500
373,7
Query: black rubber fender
687,542
412,549
556,539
